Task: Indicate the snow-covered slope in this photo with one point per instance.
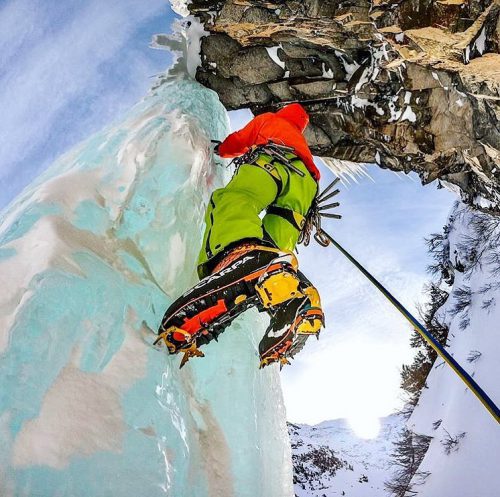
(331, 460)
(463, 458)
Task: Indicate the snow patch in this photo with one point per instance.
(273, 53)
(327, 73)
(483, 202)
(349, 67)
(180, 7)
(408, 115)
(395, 112)
(364, 78)
(480, 43)
(362, 103)
(467, 55)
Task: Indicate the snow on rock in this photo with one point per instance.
(480, 43)
(327, 73)
(408, 115)
(463, 455)
(91, 254)
(273, 53)
(180, 7)
(330, 460)
(350, 66)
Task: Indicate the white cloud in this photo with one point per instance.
(67, 56)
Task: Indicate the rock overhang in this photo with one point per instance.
(409, 85)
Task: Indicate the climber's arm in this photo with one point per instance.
(240, 142)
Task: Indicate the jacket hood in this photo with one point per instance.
(295, 114)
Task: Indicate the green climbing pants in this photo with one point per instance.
(234, 212)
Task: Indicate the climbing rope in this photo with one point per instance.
(424, 333)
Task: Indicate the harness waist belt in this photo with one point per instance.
(296, 219)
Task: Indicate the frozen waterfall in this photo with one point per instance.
(90, 256)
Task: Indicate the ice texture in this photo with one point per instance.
(91, 254)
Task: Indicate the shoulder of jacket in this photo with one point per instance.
(265, 116)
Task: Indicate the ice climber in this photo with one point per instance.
(247, 259)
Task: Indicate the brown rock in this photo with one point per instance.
(414, 84)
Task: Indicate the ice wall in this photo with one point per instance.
(90, 256)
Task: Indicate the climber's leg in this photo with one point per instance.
(233, 213)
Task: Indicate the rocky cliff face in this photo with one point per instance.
(412, 85)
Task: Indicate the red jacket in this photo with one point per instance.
(284, 127)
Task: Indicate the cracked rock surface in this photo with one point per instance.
(412, 85)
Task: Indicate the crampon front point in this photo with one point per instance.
(249, 278)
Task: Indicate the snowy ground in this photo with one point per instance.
(363, 464)
(463, 458)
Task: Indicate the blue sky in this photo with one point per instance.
(69, 68)
(66, 70)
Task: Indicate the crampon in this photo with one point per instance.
(251, 275)
(291, 325)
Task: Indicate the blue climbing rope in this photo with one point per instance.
(425, 334)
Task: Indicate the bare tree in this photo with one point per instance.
(409, 452)
(450, 443)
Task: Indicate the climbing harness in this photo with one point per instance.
(324, 239)
(318, 209)
(275, 151)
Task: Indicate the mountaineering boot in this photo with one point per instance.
(249, 275)
(292, 323)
